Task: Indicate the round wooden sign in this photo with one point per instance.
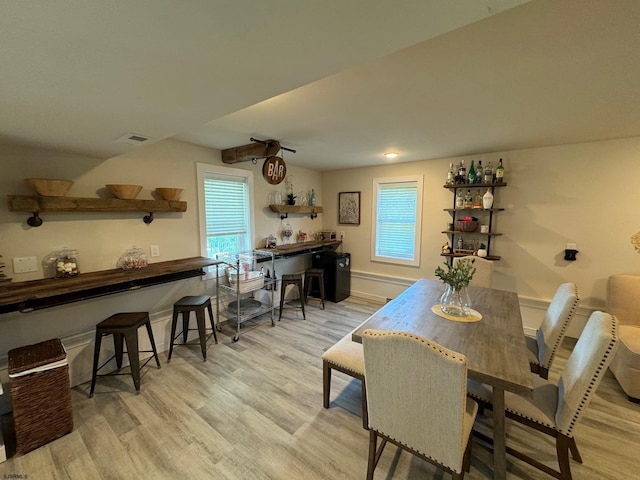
(274, 170)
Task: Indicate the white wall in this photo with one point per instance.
(584, 193)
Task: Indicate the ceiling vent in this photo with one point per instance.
(132, 139)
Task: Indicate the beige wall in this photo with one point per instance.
(584, 193)
(101, 238)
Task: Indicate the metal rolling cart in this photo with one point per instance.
(237, 291)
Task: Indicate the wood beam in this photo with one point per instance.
(248, 152)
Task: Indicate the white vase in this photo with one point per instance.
(487, 199)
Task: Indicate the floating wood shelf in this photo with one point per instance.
(285, 210)
(36, 205)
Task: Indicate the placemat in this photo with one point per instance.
(474, 317)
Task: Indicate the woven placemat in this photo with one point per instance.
(474, 317)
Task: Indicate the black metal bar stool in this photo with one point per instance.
(309, 275)
(185, 306)
(123, 327)
(291, 279)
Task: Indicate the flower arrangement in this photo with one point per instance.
(457, 275)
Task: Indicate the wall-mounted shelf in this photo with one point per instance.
(285, 210)
(36, 205)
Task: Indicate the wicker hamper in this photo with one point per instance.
(40, 394)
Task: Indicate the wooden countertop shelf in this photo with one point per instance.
(303, 248)
(36, 205)
(50, 292)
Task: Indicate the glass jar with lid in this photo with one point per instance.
(132, 258)
(66, 263)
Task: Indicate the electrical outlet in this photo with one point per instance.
(155, 250)
(25, 265)
(341, 235)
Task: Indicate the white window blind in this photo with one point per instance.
(397, 225)
(226, 206)
(225, 209)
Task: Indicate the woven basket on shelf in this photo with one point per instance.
(466, 225)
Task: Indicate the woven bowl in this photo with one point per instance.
(170, 193)
(48, 187)
(124, 192)
(466, 226)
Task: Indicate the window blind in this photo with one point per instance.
(396, 220)
(226, 208)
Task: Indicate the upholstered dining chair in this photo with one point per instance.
(416, 396)
(623, 301)
(542, 349)
(556, 409)
(484, 271)
(345, 356)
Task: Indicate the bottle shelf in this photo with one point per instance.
(488, 257)
(473, 209)
(458, 232)
(475, 185)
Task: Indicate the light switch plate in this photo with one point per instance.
(25, 265)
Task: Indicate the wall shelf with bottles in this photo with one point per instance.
(472, 207)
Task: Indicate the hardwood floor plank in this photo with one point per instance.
(254, 410)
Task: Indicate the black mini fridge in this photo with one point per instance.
(337, 274)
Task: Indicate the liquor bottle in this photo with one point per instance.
(499, 173)
(275, 280)
(459, 199)
(312, 198)
(477, 199)
(267, 281)
(472, 173)
(462, 173)
(479, 173)
(488, 173)
(468, 199)
(450, 175)
(460, 243)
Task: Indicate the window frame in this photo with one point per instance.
(204, 171)
(417, 240)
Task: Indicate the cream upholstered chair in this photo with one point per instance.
(484, 271)
(345, 356)
(556, 409)
(623, 301)
(416, 395)
(542, 349)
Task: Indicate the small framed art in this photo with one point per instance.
(349, 208)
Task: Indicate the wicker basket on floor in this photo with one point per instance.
(40, 394)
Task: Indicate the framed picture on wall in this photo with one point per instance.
(349, 208)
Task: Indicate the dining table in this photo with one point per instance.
(493, 344)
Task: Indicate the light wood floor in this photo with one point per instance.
(253, 410)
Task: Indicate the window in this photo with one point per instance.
(226, 217)
(397, 215)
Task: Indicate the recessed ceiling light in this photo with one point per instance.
(391, 154)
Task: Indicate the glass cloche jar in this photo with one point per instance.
(132, 258)
(66, 263)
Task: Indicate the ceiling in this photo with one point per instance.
(339, 82)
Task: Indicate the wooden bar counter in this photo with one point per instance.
(303, 248)
(50, 292)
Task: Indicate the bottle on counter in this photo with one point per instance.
(499, 172)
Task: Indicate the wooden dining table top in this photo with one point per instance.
(494, 346)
